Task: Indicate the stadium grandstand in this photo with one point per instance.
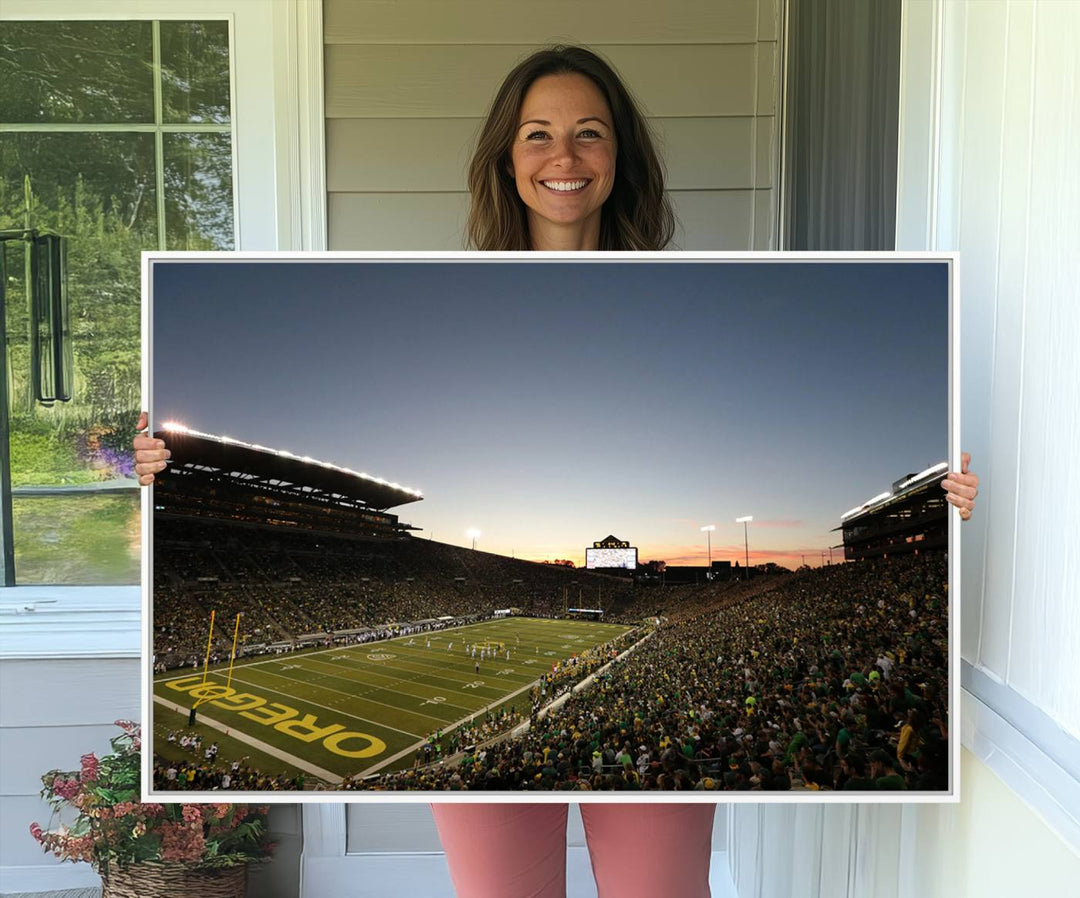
(226, 479)
(367, 658)
(911, 516)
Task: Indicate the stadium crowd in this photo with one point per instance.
(833, 679)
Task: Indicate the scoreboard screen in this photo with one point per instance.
(611, 558)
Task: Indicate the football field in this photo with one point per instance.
(362, 709)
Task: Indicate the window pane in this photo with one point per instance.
(80, 183)
(83, 539)
(195, 71)
(98, 191)
(198, 192)
(76, 72)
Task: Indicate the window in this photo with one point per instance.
(117, 136)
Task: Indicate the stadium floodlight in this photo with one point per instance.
(745, 521)
(473, 534)
(708, 530)
(914, 478)
(880, 497)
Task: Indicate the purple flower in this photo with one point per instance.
(118, 462)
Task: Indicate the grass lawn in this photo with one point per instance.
(362, 709)
(83, 539)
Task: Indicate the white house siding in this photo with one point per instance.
(408, 83)
(1008, 155)
(53, 711)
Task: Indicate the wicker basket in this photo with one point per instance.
(174, 881)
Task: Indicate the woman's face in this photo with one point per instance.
(563, 155)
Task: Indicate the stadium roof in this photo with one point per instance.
(902, 488)
(282, 468)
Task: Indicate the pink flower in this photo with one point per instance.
(181, 842)
(79, 848)
(65, 788)
(89, 768)
(36, 832)
(192, 813)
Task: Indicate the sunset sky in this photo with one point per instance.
(549, 404)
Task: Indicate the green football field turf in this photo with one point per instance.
(363, 709)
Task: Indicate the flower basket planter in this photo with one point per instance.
(149, 850)
(174, 881)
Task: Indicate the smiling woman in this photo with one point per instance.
(565, 161)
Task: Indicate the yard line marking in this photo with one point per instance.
(401, 685)
(359, 696)
(338, 711)
(394, 673)
(375, 768)
(395, 687)
(320, 772)
(608, 630)
(398, 708)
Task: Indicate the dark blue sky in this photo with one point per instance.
(549, 404)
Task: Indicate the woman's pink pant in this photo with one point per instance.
(519, 850)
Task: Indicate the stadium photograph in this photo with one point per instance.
(445, 524)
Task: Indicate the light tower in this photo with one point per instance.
(708, 530)
(745, 521)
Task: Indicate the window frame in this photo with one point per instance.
(277, 129)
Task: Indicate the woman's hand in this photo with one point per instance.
(150, 454)
(962, 488)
